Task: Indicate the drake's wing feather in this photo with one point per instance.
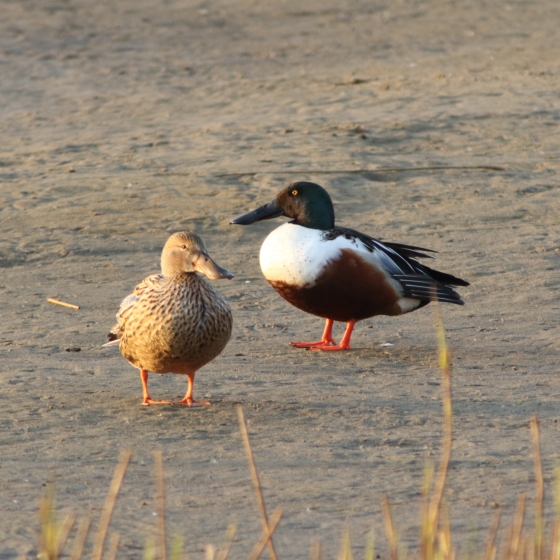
(424, 288)
(370, 242)
(442, 277)
(417, 280)
(410, 250)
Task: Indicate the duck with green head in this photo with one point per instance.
(338, 273)
(175, 322)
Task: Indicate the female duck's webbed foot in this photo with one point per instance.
(188, 399)
(344, 343)
(191, 402)
(147, 400)
(325, 341)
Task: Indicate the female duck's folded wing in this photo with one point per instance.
(114, 336)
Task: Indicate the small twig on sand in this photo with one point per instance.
(363, 171)
(160, 504)
(63, 303)
(109, 504)
(256, 481)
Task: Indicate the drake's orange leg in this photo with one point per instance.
(188, 400)
(325, 341)
(344, 343)
(147, 399)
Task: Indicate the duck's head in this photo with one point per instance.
(308, 204)
(185, 252)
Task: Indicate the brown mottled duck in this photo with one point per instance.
(175, 322)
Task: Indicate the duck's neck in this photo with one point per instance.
(319, 215)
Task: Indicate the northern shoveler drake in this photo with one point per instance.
(338, 273)
(175, 322)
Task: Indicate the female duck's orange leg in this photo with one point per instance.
(147, 399)
(325, 341)
(344, 343)
(188, 400)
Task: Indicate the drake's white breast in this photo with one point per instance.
(293, 254)
(297, 255)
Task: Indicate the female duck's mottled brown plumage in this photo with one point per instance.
(175, 322)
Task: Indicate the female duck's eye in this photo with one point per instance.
(183, 246)
(294, 192)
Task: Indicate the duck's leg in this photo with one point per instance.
(325, 341)
(147, 399)
(344, 343)
(188, 399)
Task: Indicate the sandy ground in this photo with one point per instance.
(124, 121)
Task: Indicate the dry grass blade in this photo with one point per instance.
(267, 534)
(316, 553)
(444, 536)
(490, 552)
(370, 547)
(539, 482)
(113, 546)
(390, 528)
(80, 539)
(224, 551)
(53, 535)
(346, 548)
(109, 505)
(441, 476)
(555, 552)
(256, 481)
(63, 532)
(515, 540)
(160, 505)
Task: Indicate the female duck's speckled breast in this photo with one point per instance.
(178, 324)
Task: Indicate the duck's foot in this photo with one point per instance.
(149, 401)
(317, 345)
(335, 348)
(344, 343)
(191, 402)
(325, 340)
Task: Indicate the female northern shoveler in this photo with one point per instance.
(175, 322)
(339, 273)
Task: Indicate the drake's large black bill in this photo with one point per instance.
(264, 212)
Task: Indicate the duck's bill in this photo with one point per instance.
(205, 265)
(264, 212)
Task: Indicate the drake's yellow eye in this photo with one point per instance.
(294, 192)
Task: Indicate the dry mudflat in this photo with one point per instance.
(431, 123)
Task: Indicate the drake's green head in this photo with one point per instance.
(308, 204)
